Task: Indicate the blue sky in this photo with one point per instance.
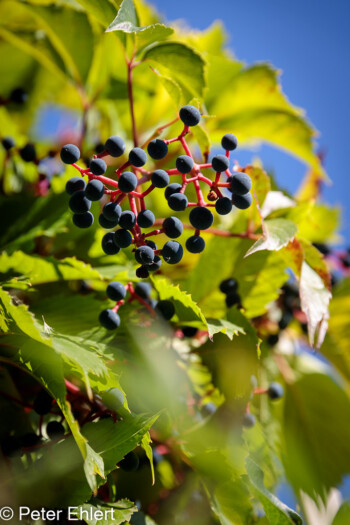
(309, 40)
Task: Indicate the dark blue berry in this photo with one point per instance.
(115, 146)
(178, 202)
(275, 391)
(42, 403)
(220, 163)
(190, 115)
(83, 220)
(201, 218)
(173, 227)
(122, 238)
(166, 309)
(143, 290)
(223, 206)
(142, 272)
(109, 319)
(70, 154)
(112, 211)
(75, 184)
(55, 430)
(97, 166)
(160, 179)
(172, 252)
(130, 463)
(137, 157)
(174, 187)
(8, 143)
(242, 201)
(249, 420)
(116, 291)
(94, 190)
(157, 149)
(127, 220)
(144, 255)
(28, 153)
(145, 219)
(184, 164)
(189, 331)
(108, 244)
(152, 244)
(229, 142)
(241, 183)
(157, 262)
(18, 96)
(229, 286)
(127, 182)
(232, 299)
(79, 203)
(195, 244)
(30, 439)
(105, 223)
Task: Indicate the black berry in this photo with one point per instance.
(173, 227)
(116, 291)
(42, 403)
(184, 164)
(28, 153)
(229, 286)
(275, 391)
(137, 157)
(83, 220)
(75, 184)
(157, 149)
(145, 219)
(127, 182)
(122, 238)
(223, 206)
(174, 187)
(127, 220)
(195, 244)
(108, 244)
(242, 201)
(112, 211)
(143, 290)
(160, 179)
(115, 146)
(144, 255)
(178, 202)
(98, 166)
(166, 309)
(172, 252)
(220, 163)
(55, 430)
(94, 190)
(241, 183)
(8, 143)
(229, 142)
(70, 154)
(105, 223)
(201, 218)
(109, 319)
(79, 203)
(190, 115)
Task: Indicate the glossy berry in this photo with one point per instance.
(143, 290)
(105, 223)
(127, 220)
(195, 244)
(116, 291)
(173, 227)
(75, 184)
(184, 164)
(172, 252)
(130, 463)
(83, 220)
(122, 238)
(249, 420)
(55, 430)
(144, 255)
(201, 218)
(174, 187)
(145, 219)
(178, 202)
(166, 309)
(137, 157)
(115, 146)
(157, 262)
(229, 142)
(232, 299)
(190, 115)
(152, 244)
(223, 206)
(70, 154)
(8, 143)
(157, 149)
(275, 391)
(42, 403)
(109, 319)
(242, 201)
(228, 286)
(108, 244)
(28, 153)
(97, 166)
(79, 203)
(160, 179)
(142, 272)
(94, 190)
(241, 183)
(30, 439)
(127, 182)
(112, 211)
(220, 163)
(18, 96)
(10, 446)
(189, 331)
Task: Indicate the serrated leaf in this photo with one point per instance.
(237, 317)
(182, 63)
(113, 513)
(276, 511)
(276, 234)
(216, 326)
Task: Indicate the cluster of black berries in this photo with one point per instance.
(229, 287)
(117, 292)
(12, 446)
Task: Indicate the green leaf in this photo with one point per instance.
(236, 316)
(276, 511)
(182, 64)
(276, 234)
(343, 515)
(113, 513)
(216, 326)
(103, 10)
(309, 426)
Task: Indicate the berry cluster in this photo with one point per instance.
(229, 287)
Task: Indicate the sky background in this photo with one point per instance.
(309, 41)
